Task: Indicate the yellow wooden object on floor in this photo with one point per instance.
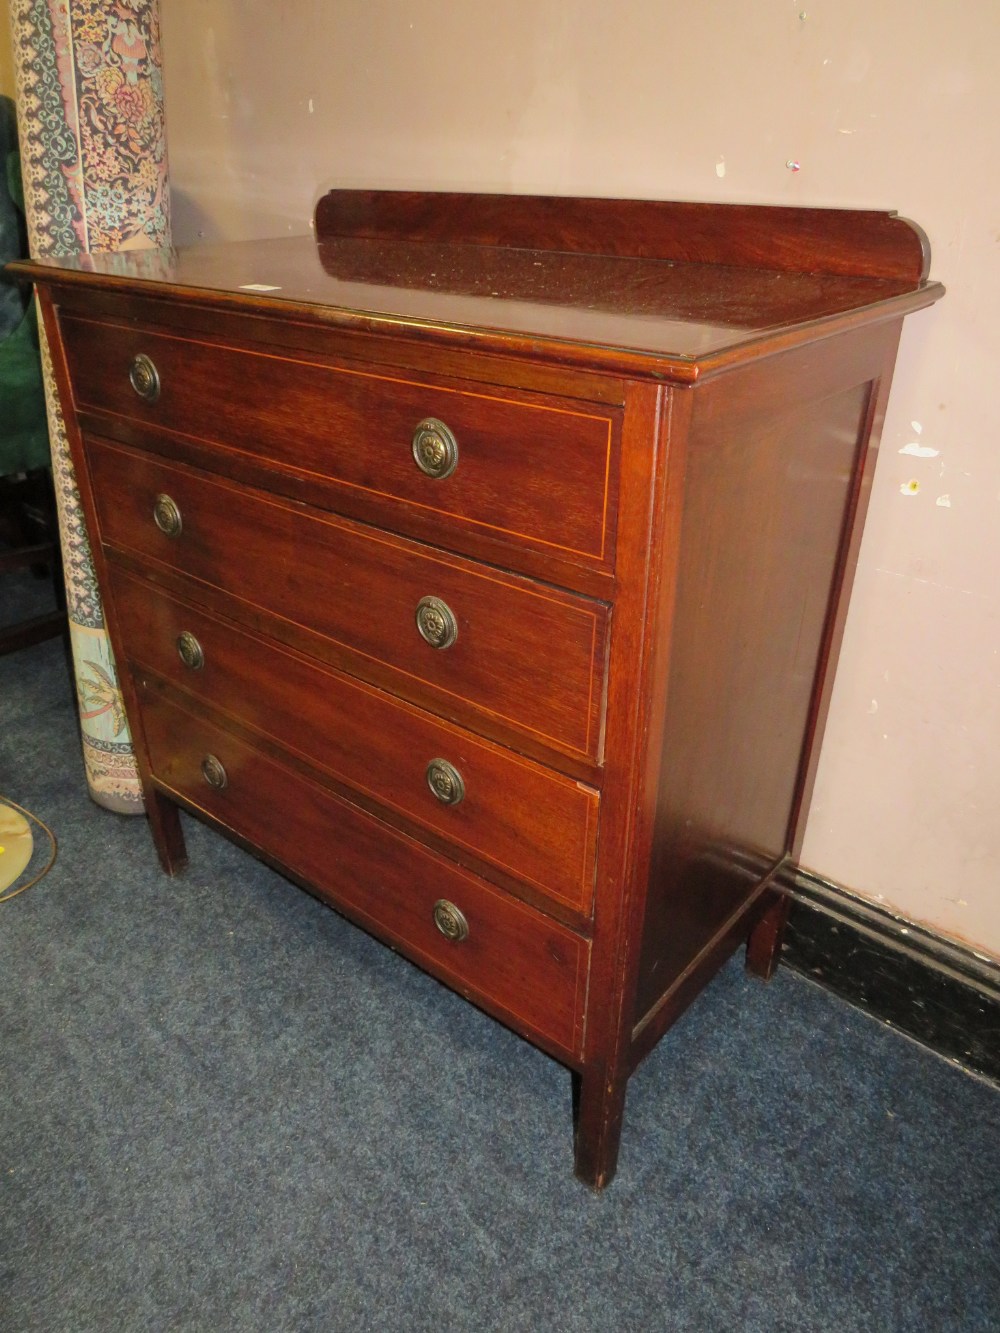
(16, 845)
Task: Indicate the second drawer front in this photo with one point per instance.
(526, 655)
(528, 821)
(518, 962)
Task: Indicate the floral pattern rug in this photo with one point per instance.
(94, 161)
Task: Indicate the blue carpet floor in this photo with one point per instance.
(224, 1108)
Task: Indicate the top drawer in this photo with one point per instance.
(518, 468)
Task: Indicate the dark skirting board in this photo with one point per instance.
(941, 993)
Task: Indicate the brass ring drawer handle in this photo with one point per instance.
(144, 378)
(436, 622)
(167, 516)
(190, 651)
(435, 449)
(445, 782)
(214, 773)
(450, 921)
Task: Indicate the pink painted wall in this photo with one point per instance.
(885, 105)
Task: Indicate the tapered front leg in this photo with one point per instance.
(764, 940)
(168, 837)
(598, 1110)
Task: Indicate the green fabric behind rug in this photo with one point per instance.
(24, 432)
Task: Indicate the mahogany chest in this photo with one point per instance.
(481, 563)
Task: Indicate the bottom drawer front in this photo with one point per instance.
(521, 965)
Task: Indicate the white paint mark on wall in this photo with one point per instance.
(943, 502)
(916, 450)
(845, 131)
(916, 427)
(312, 107)
(873, 706)
(720, 167)
(909, 487)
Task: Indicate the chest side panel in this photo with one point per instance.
(775, 459)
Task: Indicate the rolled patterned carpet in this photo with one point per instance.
(94, 161)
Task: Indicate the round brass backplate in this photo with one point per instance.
(167, 516)
(190, 651)
(436, 622)
(144, 378)
(435, 449)
(214, 773)
(445, 781)
(450, 921)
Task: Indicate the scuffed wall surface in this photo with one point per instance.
(866, 103)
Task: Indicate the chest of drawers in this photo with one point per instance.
(481, 563)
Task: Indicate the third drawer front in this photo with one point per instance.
(528, 821)
(525, 967)
(497, 651)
